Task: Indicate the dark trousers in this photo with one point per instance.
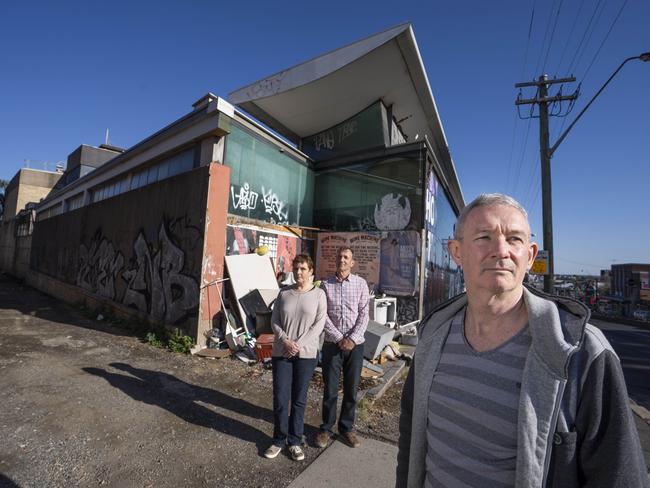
(334, 361)
(291, 378)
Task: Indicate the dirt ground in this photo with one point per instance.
(88, 404)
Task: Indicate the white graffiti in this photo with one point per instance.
(274, 206)
(155, 284)
(330, 138)
(392, 213)
(246, 199)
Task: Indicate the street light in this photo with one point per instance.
(645, 57)
(547, 151)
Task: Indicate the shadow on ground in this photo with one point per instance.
(34, 303)
(181, 398)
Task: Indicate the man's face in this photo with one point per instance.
(344, 262)
(494, 249)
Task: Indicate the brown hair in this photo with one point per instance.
(303, 258)
(342, 249)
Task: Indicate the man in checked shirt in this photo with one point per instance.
(345, 326)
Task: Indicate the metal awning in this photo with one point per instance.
(318, 94)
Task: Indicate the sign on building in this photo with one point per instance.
(540, 265)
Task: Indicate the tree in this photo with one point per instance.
(3, 186)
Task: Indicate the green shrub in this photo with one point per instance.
(178, 342)
(153, 340)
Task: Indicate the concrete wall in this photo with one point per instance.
(7, 245)
(28, 185)
(140, 251)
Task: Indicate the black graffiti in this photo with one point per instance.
(155, 283)
(99, 266)
(407, 310)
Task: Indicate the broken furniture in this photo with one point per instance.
(257, 306)
(383, 310)
(249, 272)
(377, 337)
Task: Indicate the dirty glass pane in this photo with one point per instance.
(384, 194)
(442, 277)
(362, 131)
(266, 183)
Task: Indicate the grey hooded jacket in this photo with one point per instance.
(575, 427)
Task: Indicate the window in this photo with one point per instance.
(266, 183)
(384, 194)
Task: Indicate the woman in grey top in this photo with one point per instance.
(298, 319)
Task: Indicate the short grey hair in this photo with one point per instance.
(486, 200)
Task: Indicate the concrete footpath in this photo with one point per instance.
(373, 463)
(370, 465)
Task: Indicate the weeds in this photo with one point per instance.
(153, 340)
(178, 342)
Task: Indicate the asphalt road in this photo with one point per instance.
(632, 344)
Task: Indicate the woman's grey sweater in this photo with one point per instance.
(301, 318)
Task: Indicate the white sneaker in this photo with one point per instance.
(296, 453)
(272, 451)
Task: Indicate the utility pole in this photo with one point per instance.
(543, 101)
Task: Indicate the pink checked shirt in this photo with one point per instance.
(347, 308)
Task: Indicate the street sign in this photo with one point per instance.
(540, 265)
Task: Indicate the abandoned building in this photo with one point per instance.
(345, 149)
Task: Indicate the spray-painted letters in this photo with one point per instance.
(154, 281)
(155, 284)
(98, 267)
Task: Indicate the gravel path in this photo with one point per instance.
(87, 404)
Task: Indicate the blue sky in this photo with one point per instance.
(69, 70)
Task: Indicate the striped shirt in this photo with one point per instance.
(347, 308)
(473, 405)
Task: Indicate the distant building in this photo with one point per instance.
(630, 284)
(28, 185)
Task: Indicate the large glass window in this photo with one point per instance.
(365, 130)
(266, 183)
(443, 278)
(383, 194)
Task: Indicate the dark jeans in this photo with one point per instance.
(291, 378)
(333, 361)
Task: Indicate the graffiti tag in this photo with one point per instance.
(155, 284)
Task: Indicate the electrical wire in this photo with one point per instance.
(568, 40)
(620, 11)
(586, 35)
(548, 25)
(550, 42)
(516, 115)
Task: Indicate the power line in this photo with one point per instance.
(550, 42)
(523, 70)
(584, 35)
(620, 11)
(571, 31)
(548, 25)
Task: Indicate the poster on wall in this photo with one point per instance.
(398, 274)
(282, 247)
(366, 254)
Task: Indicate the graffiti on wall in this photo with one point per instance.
(407, 309)
(272, 209)
(153, 281)
(393, 212)
(245, 199)
(274, 206)
(99, 265)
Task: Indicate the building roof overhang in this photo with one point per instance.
(315, 95)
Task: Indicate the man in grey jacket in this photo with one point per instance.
(511, 387)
